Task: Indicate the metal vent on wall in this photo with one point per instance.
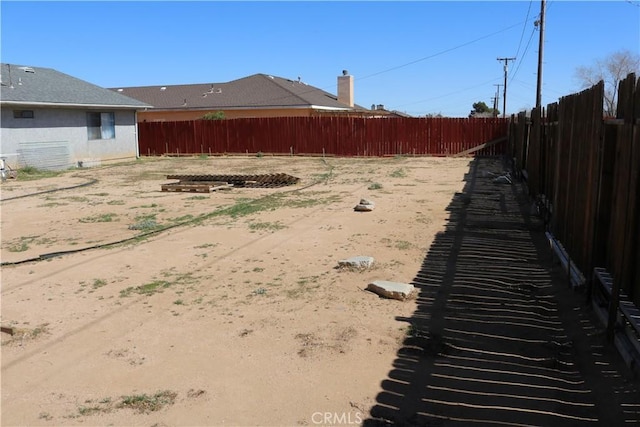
(52, 155)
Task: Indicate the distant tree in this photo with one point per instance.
(480, 107)
(436, 115)
(218, 115)
(611, 70)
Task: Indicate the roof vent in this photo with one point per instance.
(120, 90)
(163, 88)
(271, 77)
(28, 69)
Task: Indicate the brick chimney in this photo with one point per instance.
(345, 88)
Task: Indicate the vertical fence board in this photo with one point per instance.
(619, 206)
(561, 154)
(533, 155)
(629, 277)
(605, 196)
(551, 135)
(594, 138)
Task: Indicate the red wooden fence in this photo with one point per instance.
(337, 136)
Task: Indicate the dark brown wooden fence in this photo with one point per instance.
(332, 136)
(585, 172)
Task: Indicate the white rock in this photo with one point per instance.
(365, 206)
(394, 290)
(357, 262)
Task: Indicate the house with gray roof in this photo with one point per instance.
(258, 95)
(54, 121)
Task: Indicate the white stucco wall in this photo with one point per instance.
(57, 127)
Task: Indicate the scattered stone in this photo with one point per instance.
(365, 206)
(359, 262)
(503, 179)
(393, 290)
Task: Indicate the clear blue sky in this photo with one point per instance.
(420, 57)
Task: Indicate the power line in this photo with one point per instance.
(524, 54)
(538, 24)
(524, 27)
(528, 85)
(550, 5)
(441, 52)
(411, 63)
(446, 95)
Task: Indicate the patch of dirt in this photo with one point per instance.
(234, 296)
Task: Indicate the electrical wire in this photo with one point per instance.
(524, 27)
(548, 7)
(442, 52)
(451, 93)
(524, 55)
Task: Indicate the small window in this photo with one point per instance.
(101, 125)
(23, 114)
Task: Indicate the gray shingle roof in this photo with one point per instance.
(36, 85)
(255, 91)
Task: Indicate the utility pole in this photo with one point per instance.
(540, 49)
(497, 98)
(504, 96)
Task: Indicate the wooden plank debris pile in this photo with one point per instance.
(209, 183)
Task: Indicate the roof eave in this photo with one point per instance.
(72, 105)
(323, 107)
(253, 107)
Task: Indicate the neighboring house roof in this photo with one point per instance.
(255, 91)
(400, 114)
(25, 85)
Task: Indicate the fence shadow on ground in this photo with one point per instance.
(497, 337)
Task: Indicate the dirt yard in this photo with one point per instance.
(237, 315)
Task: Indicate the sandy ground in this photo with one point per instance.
(226, 319)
